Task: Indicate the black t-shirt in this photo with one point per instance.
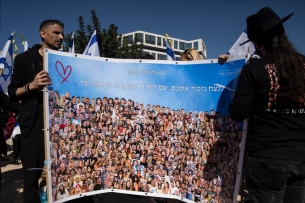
(98, 187)
(132, 177)
(274, 131)
(197, 196)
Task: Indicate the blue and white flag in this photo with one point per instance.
(6, 64)
(16, 130)
(169, 51)
(92, 47)
(237, 50)
(71, 44)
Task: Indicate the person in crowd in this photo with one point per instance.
(190, 55)
(271, 93)
(6, 104)
(27, 81)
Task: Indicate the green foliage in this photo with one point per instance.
(131, 50)
(110, 42)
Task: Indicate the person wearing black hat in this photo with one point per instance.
(271, 92)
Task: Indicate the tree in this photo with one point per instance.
(130, 49)
(110, 42)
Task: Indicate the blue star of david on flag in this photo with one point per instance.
(6, 64)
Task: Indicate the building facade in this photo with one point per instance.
(154, 44)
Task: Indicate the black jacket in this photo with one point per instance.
(24, 73)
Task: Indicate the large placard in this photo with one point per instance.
(140, 127)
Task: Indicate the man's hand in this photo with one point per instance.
(41, 80)
(223, 58)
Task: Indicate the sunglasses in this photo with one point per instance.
(188, 52)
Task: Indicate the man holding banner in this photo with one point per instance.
(27, 82)
(271, 91)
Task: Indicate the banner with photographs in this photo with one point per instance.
(141, 127)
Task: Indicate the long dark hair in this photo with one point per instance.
(290, 65)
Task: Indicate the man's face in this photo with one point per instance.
(53, 36)
(61, 143)
(55, 112)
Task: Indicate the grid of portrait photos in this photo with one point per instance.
(117, 143)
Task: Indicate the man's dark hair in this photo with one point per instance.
(147, 56)
(46, 23)
(50, 22)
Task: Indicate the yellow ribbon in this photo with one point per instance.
(169, 40)
(13, 40)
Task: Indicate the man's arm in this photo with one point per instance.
(17, 79)
(17, 89)
(41, 80)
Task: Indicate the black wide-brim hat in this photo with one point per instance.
(263, 21)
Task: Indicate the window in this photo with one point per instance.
(175, 44)
(189, 45)
(154, 55)
(129, 38)
(162, 57)
(196, 45)
(164, 42)
(184, 46)
(181, 46)
(149, 39)
(140, 37)
(159, 41)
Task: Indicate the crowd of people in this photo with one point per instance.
(112, 143)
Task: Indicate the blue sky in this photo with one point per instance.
(218, 22)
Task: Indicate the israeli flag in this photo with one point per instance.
(169, 51)
(92, 47)
(16, 130)
(237, 50)
(71, 44)
(6, 64)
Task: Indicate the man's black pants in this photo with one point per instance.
(32, 156)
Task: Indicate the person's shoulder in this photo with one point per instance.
(256, 65)
(23, 55)
(28, 53)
